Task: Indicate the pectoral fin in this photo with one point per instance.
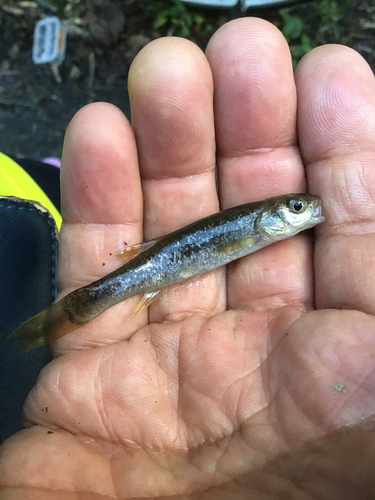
(231, 247)
(129, 252)
(147, 299)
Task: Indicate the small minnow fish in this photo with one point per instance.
(183, 255)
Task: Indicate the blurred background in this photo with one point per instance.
(103, 37)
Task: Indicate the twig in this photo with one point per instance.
(92, 64)
(16, 103)
(56, 73)
(47, 5)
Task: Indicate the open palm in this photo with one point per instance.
(253, 382)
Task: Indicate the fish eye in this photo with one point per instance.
(296, 206)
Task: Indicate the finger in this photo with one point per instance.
(170, 88)
(336, 88)
(101, 209)
(255, 115)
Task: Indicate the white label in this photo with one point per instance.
(49, 41)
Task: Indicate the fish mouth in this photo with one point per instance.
(317, 216)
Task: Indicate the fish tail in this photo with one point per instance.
(44, 327)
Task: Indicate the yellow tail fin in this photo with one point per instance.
(44, 327)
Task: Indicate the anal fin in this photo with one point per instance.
(147, 299)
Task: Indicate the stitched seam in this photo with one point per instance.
(32, 208)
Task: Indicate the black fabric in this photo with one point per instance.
(47, 176)
(28, 251)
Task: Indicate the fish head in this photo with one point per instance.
(287, 215)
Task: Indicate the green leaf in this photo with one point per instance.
(306, 44)
(160, 20)
(293, 28)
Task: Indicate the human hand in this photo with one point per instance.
(228, 386)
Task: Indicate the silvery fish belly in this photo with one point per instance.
(183, 255)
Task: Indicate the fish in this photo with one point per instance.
(181, 256)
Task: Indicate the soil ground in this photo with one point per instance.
(103, 39)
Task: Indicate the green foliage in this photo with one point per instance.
(293, 24)
(176, 16)
(304, 25)
(300, 49)
(313, 23)
(330, 10)
(294, 30)
(334, 17)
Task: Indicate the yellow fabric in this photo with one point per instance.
(14, 181)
